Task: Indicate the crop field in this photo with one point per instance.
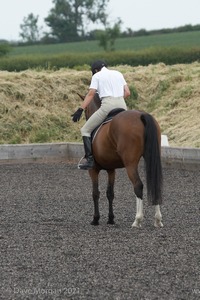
(168, 48)
(186, 39)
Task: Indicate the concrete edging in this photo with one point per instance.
(186, 158)
(41, 152)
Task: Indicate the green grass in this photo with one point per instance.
(186, 39)
(182, 39)
(76, 47)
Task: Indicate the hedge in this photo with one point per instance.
(169, 56)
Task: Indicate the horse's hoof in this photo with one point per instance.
(94, 223)
(136, 225)
(158, 224)
(111, 222)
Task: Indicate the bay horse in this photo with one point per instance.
(120, 143)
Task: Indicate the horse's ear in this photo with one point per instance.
(81, 96)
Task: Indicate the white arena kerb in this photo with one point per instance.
(164, 140)
(186, 158)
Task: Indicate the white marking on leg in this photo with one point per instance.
(158, 217)
(139, 213)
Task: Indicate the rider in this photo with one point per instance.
(112, 89)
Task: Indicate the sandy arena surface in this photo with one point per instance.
(49, 250)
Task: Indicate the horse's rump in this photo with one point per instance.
(119, 140)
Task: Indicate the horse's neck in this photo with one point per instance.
(96, 101)
(94, 106)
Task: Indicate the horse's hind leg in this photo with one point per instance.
(110, 195)
(138, 189)
(158, 217)
(139, 213)
(94, 174)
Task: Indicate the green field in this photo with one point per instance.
(170, 48)
(182, 39)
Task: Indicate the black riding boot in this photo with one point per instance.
(88, 154)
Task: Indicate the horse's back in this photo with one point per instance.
(126, 122)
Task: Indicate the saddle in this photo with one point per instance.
(109, 118)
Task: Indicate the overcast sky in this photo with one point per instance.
(135, 14)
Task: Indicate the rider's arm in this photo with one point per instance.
(88, 98)
(126, 91)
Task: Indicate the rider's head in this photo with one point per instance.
(97, 66)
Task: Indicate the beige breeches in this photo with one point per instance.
(107, 104)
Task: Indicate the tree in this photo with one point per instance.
(68, 18)
(60, 20)
(108, 37)
(30, 31)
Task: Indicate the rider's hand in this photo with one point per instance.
(77, 115)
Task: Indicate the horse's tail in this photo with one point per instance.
(152, 157)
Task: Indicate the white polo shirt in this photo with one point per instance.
(108, 83)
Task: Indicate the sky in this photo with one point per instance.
(135, 14)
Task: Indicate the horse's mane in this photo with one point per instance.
(97, 101)
(93, 106)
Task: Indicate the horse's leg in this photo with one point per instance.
(139, 213)
(138, 189)
(110, 195)
(158, 217)
(94, 174)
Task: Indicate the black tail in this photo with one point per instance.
(152, 159)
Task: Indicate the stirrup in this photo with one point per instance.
(80, 161)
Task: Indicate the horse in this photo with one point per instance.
(120, 143)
